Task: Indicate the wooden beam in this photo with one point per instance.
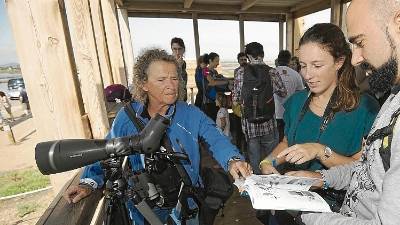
(84, 48)
(248, 4)
(200, 8)
(241, 34)
(101, 42)
(127, 49)
(196, 35)
(246, 17)
(70, 214)
(336, 12)
(280, 36)
(297, 34)
(309, 7)
(343, 25)
(47, 67)
(114, 41)
(187, 4)
(290, 32)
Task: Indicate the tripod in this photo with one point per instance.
(117, 193)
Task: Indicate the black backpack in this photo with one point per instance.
(257, 94)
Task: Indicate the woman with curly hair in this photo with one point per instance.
(158, 90)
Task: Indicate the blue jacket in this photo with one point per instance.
(188, 125)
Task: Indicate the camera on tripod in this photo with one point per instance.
(63, 155)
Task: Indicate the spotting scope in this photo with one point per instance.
(68, 154)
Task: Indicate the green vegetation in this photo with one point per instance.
(20, 181)
(10, 70)
(26, 208)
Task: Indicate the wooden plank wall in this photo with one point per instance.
(87, 63)
(101, 42)
(47, 67)
(114, 41)
(126, 42)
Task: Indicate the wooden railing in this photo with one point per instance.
(81, 213)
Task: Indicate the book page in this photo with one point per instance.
(282, 193)
(278, 181)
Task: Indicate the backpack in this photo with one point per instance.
(386, 135)
(117, 91)
(257, 94)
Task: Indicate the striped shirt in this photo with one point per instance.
(258, 129)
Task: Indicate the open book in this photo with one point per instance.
(280, 192)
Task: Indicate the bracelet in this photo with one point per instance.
(267, 161)
(325, 184)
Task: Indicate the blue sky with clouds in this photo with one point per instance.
(220, 36)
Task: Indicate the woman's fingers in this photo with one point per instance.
(296, 157)
(287, 151)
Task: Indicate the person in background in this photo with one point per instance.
(292, 81)
(324, 126)
(211, 80)
(23, 98)
(261, 137)
(157, 88)
(223, 115)
(295, 64)
(6, 104)
(178, 51)
(198, 76)
(238, 137)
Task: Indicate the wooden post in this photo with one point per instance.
(343, 19)
(290, 32)
(297, 33)
(10, 134)
(336, 12)
(280, 36)
(44, 52)
(126, 42)
(241, 32)
(114, 41)
(101, 44)
(196, 35)
(46, 65)
(84, 46)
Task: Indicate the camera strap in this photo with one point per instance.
(327, 117)
(188, 190)
(132, 116)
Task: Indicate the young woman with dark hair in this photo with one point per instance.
(324, 125)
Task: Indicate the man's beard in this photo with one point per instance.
(381, 79)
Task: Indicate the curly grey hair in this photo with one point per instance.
(140, 72)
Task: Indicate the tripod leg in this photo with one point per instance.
(115, 212)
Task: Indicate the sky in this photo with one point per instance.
(220, 36)
(8, 52)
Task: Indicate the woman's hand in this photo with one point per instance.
(268, 169)
(75, 193)
(237, 167)
(311, 174)
(302, 153)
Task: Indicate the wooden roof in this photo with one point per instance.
(259, 10)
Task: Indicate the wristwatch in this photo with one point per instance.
(234, 158)
(327, 153)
